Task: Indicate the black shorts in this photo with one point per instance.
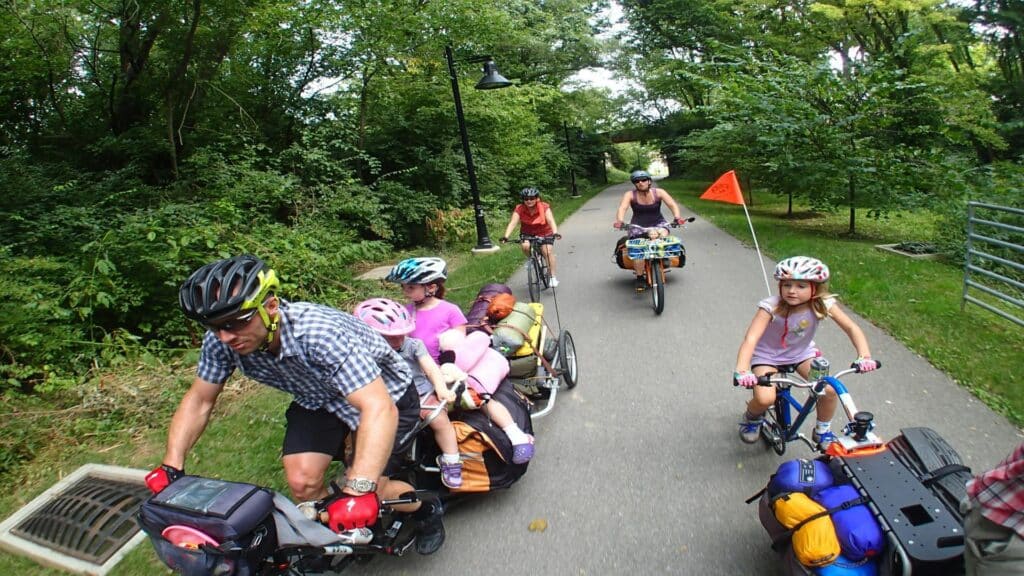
(323, 432)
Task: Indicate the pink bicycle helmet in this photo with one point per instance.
(802, 268)
(385, 316)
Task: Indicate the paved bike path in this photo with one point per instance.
(639, 469)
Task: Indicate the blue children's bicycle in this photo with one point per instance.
(783, 421)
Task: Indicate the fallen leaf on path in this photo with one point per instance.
(538, 525)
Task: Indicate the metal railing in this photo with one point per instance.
(974, 256)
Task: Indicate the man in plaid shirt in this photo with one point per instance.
(995, 524)
(343, 377)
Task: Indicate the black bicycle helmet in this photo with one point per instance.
(529, 193)
(638, 175)
(226, 287)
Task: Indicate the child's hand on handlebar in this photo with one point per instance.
(865, 364)
(744, 378)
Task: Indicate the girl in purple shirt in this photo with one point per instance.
(782, 334)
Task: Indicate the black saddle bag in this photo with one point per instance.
(237, 516)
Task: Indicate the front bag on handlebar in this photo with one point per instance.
(235, 517)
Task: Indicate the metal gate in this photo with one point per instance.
(980, 262)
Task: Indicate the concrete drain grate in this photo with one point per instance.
(84, 524)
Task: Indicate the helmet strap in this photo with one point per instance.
(271, 324)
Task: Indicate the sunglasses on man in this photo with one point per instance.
(234, 324)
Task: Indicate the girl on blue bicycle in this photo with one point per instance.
(781, 335)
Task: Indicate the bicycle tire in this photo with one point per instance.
(532, 279)
(567, 362)
(657, 281)
(778, 439)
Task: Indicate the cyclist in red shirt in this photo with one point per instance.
(534, 218)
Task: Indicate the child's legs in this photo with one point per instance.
(826, 407)
(498, 414)
(764, 396)
(549, 253)
(444, 432)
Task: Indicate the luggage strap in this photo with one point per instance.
(779, 541)
(538, 353)
(929, 478)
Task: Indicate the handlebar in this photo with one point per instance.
(672, 224)
(775, 378)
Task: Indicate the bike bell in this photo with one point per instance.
(819, 367)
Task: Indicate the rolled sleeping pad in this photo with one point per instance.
(488, 372)
(510, 333)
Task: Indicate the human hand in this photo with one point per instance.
(161, 477)
(865, 364)
(744, 378)
(503, 239)
(347, 511)
(680, 220)
(445, 394)
(557, 236)
(618, 224)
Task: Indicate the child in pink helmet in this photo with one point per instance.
(394, 322)
(782, 334)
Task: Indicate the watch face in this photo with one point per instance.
(362, 484)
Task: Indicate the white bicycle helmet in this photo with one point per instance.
(385, 316)
(418, 271)
(802, 268)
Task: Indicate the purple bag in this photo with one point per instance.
(478, 310)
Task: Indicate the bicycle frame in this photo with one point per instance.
(538, 274)
(788, 415)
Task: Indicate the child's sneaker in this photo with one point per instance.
(824, 439)
(750, 429)
(451, 473)
(522, 453)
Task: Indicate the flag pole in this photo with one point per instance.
(760, 259)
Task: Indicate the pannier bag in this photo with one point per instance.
(485, 449)
(814, 537)
(477, 315)
(800, 475)
(860, 536)
(237, 516)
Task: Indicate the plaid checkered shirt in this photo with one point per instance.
(325, 355)
(999, 493)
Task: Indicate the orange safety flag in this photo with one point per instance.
(725, 189)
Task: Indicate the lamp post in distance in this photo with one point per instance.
(492, 80)
(572, 166)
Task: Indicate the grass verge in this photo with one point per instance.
(915, 301)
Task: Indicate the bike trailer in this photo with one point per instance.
(896, 510)
(200, 526)
(485, 449)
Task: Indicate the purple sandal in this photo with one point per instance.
(522, 453)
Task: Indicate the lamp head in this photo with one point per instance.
(492, 78)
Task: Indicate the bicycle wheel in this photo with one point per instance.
(545, 273)
(773, 431)
(657, 280)
(533, 279)
(567, 360)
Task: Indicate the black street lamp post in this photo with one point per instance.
(491, 80)
(572, 167)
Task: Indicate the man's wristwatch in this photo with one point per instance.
(361, 485)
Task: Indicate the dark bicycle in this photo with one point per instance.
(538, 275)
